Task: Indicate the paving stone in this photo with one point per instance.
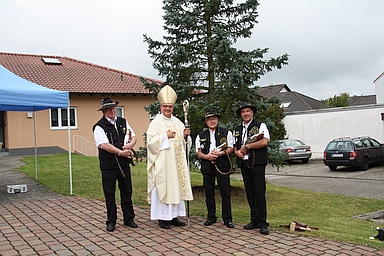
(44, 223)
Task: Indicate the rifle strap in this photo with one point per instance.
(230, 167)
(118, 163)
(136, 158)
(251, 159)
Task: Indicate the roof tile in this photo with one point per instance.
(73, 75)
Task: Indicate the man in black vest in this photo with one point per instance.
(114, 157)
(216, 163)
(252, 158)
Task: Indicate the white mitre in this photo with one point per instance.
(167, 95)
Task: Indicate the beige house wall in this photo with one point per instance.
(19, 127)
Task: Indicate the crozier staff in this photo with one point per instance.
(187, 147)
(168, 173)
(114, 158)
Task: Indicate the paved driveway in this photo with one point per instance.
(317, 177)
(41, 222)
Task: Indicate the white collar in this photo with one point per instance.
(110, 120)
(167, 118)
(246, 125)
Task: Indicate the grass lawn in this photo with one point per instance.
(332, 214)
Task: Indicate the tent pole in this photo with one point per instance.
(69, 148)
(34, 129)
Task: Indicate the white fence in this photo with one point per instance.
(83, 146)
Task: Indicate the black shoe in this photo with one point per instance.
(264, 231)
(164, 224)
(229, 224)
(209, 222)
(176, 222)
(110, 227)
(251, 225)
(130, 223)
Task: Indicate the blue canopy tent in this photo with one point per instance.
(18, 94)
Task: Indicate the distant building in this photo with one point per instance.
(379, 88)
(291, 101)
(316, 127)
(87, 84)
(362, 100)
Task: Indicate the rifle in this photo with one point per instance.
(254, 138)
(219, 148)
(127, 139)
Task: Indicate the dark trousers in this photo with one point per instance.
(224, 186)
(109, 178)
(255, 187)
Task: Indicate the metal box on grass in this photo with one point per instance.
(12, 189)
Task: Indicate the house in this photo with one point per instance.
(308, 120)
(87, 84)
(295, 101)
(379, 88)
(290, 101)
(362, 100)
(364, 117)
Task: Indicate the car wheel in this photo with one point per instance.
(305, 160)
(365, 164)
(332, 168)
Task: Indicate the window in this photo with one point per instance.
(358, 143)
(59, 119)
(375, 143)
(120, 111)
(348, 145)
(286, 104)
(52, 61)
(367, 143)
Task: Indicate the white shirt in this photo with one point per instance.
(212, 139)
(262, 129)
(100, 136)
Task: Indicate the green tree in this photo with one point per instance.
(198, 58)
(338, 101)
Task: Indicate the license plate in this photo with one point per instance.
(300, 150)
(337, 155)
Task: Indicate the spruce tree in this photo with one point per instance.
(197, 57)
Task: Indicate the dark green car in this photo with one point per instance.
(360, 152)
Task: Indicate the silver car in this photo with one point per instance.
(296, 150)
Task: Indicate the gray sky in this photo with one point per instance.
(335, 46)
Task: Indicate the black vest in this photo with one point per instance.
(259, 154)
(222, 162)
(108, 160)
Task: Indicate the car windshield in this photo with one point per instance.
(340, 145)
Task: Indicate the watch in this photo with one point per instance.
(246, 147)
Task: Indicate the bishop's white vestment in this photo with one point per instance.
(168, 173)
